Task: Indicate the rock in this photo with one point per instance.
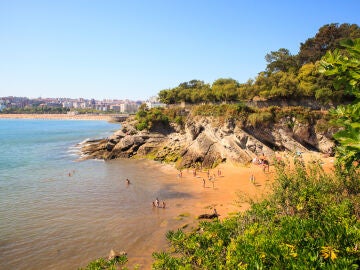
(114, 254)
(208, 216)
(325, 145)
(208, 141)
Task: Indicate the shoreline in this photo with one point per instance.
(57, 116)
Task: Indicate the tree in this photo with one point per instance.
(225, 89)
(168, 96)
(327, 38)
(345, 67)
(284, 85)
(281, 60)
(307, 79)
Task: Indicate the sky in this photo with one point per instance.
(132, 49)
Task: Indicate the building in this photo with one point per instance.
(129, 107)
(68, 104)
(115, 108)
(151, 105)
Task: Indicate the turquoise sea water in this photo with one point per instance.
(52, 220)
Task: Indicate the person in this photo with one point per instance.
(163, 204)
(203, 182)
(252, 178)
(153, 204)
(266, 165)
(157, 202)
(127, 181)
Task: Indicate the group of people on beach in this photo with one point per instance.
(263, 161)
(156, 203)
(210, 177)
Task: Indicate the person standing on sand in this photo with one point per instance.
(252, 178)
(266, 165)
(203, 182)
(163, 204)
(157, 202)
(127, 181)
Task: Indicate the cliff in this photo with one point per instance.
(208, 141)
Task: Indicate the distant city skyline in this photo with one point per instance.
(115, 105)
(134, 49)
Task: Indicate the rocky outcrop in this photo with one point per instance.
(207, 142)
(116, 254)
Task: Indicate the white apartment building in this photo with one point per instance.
(67, 104)
(128, 107)
(155, 104)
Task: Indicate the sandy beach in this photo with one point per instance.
(230, 186)
(57, 116)
(228, 192)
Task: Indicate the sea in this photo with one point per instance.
(57, 212)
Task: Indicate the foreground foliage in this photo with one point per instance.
(345, 67)
(104, 264)
(311, 221)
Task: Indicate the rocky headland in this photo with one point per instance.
(207, 141)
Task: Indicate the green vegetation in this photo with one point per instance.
(148, 118)
(259, 118)
(345, 67)
(104, 264)
(242, 114)
(286, 76)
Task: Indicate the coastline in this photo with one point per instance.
(57, 116)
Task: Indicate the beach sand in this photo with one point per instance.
(57, 116)
(229, 193)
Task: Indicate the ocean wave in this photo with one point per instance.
(84, 141)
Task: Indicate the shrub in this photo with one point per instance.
(104, 264)
(260, 118)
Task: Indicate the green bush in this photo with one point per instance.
(104, 264)
(142, 125)
(260, 118)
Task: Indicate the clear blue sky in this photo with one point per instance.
(133, 49)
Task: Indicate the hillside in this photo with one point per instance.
(203, 138)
